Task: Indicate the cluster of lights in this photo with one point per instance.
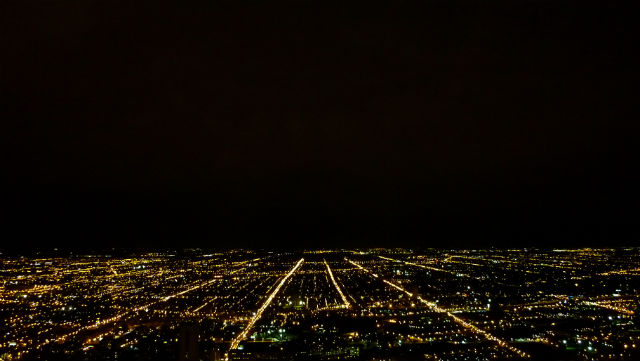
(75, 306)
(610, 307)
(422, 266)
(105, 321)
(458, 320)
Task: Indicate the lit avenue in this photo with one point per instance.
(366, 304)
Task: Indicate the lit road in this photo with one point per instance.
(333, 280)
(243, 335)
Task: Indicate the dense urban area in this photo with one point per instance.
(373, 304)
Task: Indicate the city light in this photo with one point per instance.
(342, 304)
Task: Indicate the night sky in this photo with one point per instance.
(291, 124)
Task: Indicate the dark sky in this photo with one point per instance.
(318, 123)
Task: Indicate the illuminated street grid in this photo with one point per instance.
(375, 304)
